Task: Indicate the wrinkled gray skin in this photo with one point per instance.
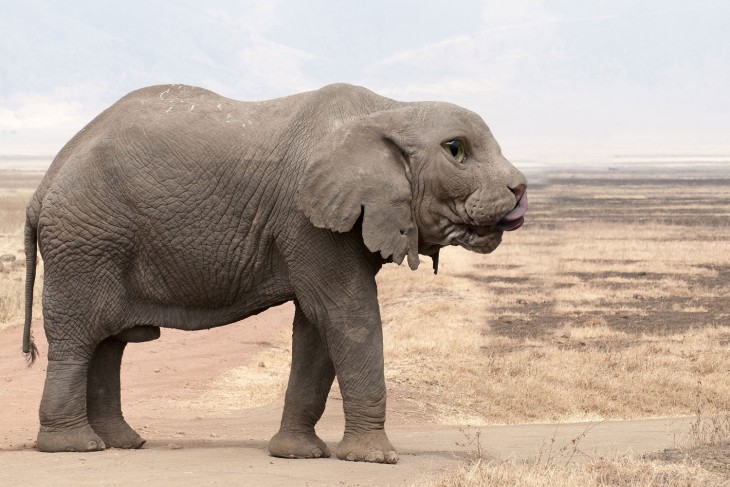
(180, 208)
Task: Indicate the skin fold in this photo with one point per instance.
(179, 208)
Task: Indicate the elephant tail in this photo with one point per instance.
(31, 238)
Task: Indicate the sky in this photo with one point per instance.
(552, 78)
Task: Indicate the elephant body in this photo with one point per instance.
(179, 208)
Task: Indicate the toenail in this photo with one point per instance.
(375, 456)
(391, 457)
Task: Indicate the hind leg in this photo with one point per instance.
(103, 390)
(64, 425)
(103, 397)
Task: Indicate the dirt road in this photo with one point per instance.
(209, 447)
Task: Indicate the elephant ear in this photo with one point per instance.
(361, 169)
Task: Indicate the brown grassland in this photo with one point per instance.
(16, 188)
(612, 302)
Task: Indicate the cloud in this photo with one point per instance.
(252, 17)
(268, 67)
(37, 123)
(91, 57)
(499, 59)
(37, 111)
(442, 90)
(544, 74)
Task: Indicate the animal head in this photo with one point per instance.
(422, 176)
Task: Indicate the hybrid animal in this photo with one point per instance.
(180, 208)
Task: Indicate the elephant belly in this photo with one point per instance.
(200, 317)
(176, 295)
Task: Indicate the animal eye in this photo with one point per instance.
(456, 149)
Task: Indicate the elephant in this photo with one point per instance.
(179, 208)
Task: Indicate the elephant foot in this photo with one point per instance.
(298, 445)
(82, 439)
(373, 446)
(118, 434)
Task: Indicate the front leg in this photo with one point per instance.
(337, 292)
(355, 343)
(333, 277)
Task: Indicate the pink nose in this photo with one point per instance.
(519, 191)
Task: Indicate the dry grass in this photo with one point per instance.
(440, 351)
(463, 374)
(260, 383)
(611, 303)
(620, 471)
(16, 189)
(580, 320)
(569, 466)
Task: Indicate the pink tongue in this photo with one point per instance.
(515, 218)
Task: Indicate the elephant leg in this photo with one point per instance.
(357, 353)
(103, 396)
(64, 424)
(310, 380)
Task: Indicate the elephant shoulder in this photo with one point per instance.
(345, 90)
(344, 98)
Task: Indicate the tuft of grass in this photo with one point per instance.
(569, 466)
(599, 472)
(712, 419)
